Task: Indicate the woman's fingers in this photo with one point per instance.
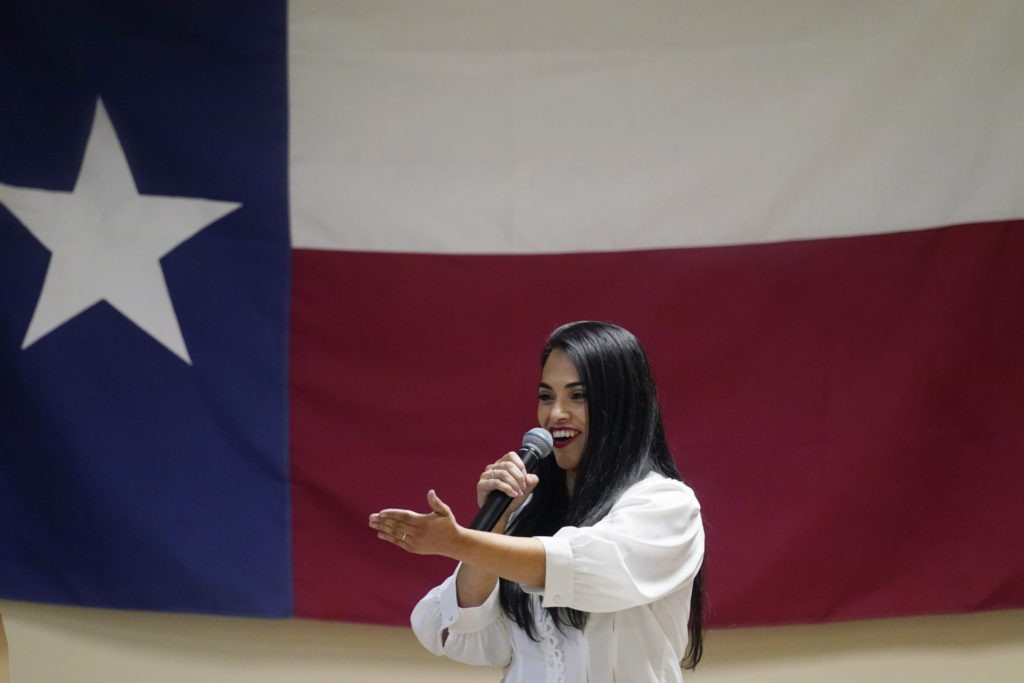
(504, 481)
(429, 533)
(397, 526)
(507, 475)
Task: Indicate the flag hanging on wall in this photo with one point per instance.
(263, 273)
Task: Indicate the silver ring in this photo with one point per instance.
(403, 535)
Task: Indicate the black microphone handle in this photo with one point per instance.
(498, 501)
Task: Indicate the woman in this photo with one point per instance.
(593, 573)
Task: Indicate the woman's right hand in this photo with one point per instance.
(508, 475)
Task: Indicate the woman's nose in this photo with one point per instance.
(558, 411)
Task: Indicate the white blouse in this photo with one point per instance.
(633, 571)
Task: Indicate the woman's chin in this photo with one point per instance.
(567, 461)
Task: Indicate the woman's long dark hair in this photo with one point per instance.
(625, 442)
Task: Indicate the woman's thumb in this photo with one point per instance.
(438, 505)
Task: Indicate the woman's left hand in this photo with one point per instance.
(434, 533)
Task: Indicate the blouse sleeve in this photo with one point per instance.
(650, 544)
(476, 635)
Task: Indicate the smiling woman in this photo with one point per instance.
(594, 571)
(562, 409)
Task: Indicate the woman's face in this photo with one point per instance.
(562, 409)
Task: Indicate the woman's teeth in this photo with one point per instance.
(563, 436)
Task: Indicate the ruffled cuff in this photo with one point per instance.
(466, 619)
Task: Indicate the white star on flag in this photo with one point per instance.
(106, 241)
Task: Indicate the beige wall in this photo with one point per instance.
(3, 652)
(60, 644)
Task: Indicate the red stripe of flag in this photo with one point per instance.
(849, 411)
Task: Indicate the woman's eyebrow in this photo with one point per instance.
(570, 385)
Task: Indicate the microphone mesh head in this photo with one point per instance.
(539, 438)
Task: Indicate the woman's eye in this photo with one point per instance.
(544, 398)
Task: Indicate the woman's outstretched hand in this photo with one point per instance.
(433, 533)
(437, 533)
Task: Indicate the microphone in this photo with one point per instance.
(537, 444)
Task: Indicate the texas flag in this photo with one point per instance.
(268, 268)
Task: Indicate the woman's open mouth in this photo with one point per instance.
(563, 436)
